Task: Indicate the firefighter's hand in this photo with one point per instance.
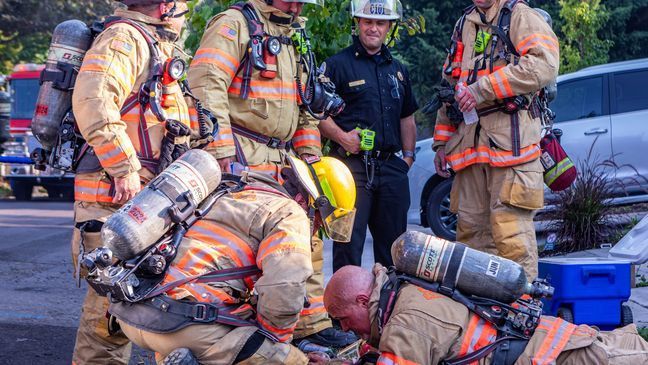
(466, 100)
(225, 164)
(440, 163)
(350, 141)
(126, 187)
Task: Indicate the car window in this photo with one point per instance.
(579, 99)
(630, 91)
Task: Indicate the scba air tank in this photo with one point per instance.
(477, 273)
(145, 218)
(70, 42)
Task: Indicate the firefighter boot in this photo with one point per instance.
(331, 337)
(180, 356)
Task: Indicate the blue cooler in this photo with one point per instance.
(588, 290)
(591, 290)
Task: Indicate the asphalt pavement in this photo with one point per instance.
(39, 300)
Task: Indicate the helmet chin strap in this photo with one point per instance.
(169, 13)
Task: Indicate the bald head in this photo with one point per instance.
(346, 297)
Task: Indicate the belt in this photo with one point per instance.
(271, 142)
(375, 154)
(203, 313)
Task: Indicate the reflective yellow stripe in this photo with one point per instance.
(558, 170)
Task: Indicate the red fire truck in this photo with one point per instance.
(23, 86)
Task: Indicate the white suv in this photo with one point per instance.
(606, 103)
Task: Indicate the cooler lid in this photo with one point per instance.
(561, 260)
(634, 245)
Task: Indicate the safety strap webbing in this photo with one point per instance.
(255, 29)
(218, 275)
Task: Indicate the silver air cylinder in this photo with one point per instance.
(149, 215)
(477, 273)
(70, 41)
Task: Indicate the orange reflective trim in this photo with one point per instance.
(472, 326)
(316, 306)
(217, 57)
(553, 344)
(501, 85)
(193, 118)
(306, 138)
(280, 241)
(283, 334)
(443, 132)
(479, 334)
(218, 237)
(388, 358)
(92, 191)
(483, 154)
(534, 40)
(271, 89)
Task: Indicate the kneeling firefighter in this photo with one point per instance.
(452, 308)
(235, 283)
(256, 72)
(109, 99)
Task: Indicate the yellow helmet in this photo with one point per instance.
(333, 193)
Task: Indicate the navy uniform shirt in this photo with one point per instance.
(377, 92)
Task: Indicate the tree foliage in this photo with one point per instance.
(581, 45)
(26, 26)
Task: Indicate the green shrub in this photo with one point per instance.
(583, 215)
(643, 331)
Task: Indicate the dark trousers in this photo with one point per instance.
(383, 208)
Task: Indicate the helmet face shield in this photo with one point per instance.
(333, 194)
(377, 9)
(339, 224)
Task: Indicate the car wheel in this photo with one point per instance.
(626, 315)
(566, 314)
(441, 220)
(60, 193)
(22, 191)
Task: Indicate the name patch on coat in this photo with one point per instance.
(357, 83)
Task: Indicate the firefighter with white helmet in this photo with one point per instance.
(244, 72)
(262, 225)
(124, 138)
(377, 123)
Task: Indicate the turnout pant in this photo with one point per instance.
(94, 344)
(314, 318)
(383, 207)
(496, 206)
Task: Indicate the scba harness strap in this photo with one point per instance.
(253, 59)
(502, 40)
(507, 347)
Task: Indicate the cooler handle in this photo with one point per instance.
(600, 271)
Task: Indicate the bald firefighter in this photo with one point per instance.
(425, 327)
(259, 114)
(503, 53)
(124, 135)
(251, 318)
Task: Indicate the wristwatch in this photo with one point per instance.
(409, 154)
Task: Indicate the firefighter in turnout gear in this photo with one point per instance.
(425, 327)
(259, 114)
(502, 53)
(249, 319)
(124, 139)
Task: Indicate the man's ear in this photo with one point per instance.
(362, 300)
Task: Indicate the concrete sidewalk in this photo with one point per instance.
(638, 299)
